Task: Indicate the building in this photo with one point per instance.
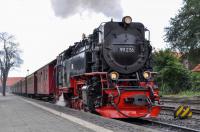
(182, 58)
(196, 68)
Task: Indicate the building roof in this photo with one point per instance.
(12, 80)
(196, 68)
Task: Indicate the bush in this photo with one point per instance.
(195, 81)
(173, 76)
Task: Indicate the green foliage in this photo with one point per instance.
(183, 34)
(188, 93)
(195, 81)
(173, 76)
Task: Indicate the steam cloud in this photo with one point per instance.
(65, 8)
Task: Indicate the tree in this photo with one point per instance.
(173, 76)
(183, 34)
(9, 57)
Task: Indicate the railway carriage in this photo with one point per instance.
(23, 86)
(31, 85)
(19, 87)
(14, 88)
(46, 81)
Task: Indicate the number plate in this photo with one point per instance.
(127, 50)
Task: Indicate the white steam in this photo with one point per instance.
(66, 8)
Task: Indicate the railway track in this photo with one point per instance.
(170, 108)
(171, 127)
(192, 102)
(160, 126)
(166, 121)
(185, 100)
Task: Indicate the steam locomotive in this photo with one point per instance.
(108, 72)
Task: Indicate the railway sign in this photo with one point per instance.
(183, 112)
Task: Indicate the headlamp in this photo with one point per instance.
(127, 19)
(114, 75)
(147, 74)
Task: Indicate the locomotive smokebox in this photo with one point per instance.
(124, 48)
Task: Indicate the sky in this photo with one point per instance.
(45, 28)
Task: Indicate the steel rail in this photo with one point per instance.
(160, 125)
(171, 108)
(181, 101)
(172, 126)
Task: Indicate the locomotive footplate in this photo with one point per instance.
(129, 112)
